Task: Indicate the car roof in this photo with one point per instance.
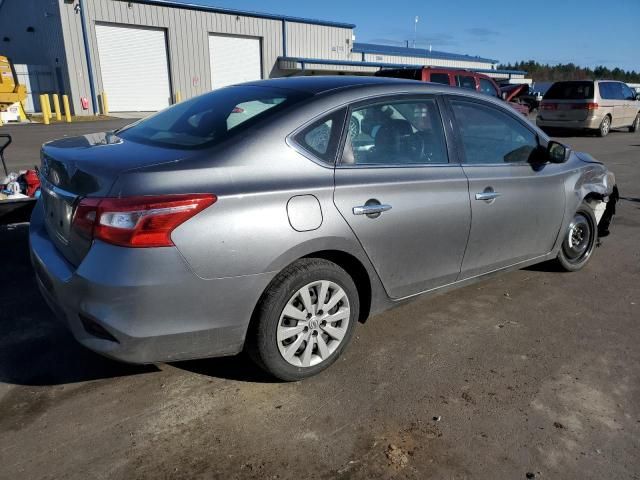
(321, 84)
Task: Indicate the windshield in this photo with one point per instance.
(211, 118)
(570, 91)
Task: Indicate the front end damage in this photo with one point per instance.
(599, 190)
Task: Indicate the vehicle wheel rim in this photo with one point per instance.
(313, 323)
(605, 125)
(636, 124)
(577, 244)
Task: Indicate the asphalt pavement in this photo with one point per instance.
(533, 374)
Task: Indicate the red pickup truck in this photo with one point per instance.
(455, 78)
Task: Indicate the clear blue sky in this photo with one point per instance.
(585, 32)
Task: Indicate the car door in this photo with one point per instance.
(405, 201)
(612, 93)
(631, 104)
(517, 205)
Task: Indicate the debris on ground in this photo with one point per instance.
(558, 425)
(396, 456)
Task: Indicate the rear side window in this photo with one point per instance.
(212, 118)
(491, 136)
(442, 78)
(611, 90)
(321, 138)
(466, 82)
(570, 91)
(487, 88)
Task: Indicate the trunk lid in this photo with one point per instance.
(568, 101)
(87, 166)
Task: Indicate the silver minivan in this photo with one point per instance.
(590, 105)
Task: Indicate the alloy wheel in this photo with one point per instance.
(313, 323)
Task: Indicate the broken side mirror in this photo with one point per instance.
(557, 152)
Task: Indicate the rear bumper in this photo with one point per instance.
(590, 123)
(143, 305)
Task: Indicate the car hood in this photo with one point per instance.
(513, 90)
(585, 157)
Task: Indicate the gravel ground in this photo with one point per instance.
(533, 374)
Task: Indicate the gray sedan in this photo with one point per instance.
(274, 216)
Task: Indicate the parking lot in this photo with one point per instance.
(533, 374)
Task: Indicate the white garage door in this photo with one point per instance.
(135, 71)
(234, 60)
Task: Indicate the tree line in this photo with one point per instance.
(569, 71)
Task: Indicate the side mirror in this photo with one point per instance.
(557, 152)
(637, 96)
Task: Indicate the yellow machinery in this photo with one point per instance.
(10, 90)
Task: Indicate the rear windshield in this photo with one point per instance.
(212, 118)
(570, 91)
(408, 73)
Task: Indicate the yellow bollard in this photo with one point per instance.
(67, 110)
(178, 97)
(43, 107)
(56, 106)
(105, 104)
(47, 103)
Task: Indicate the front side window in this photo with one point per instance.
(442, 78)
(464, 81)
(396, 133)
(487, 88)
(627, 93)
(212, 118)
(490, 136)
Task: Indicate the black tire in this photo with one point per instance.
(263, 345)
(605, 126)
(574, 254)
(636, 124)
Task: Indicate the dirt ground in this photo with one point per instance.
(534, 374)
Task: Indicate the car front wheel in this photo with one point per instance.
(305, 319)
(579, 240)
(636, 124)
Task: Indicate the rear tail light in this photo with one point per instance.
(585, 106)
(569, 106)
(137, 221)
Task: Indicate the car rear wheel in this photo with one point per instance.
(579, 240)
(305, 319)
(636, 124)
(605, 127)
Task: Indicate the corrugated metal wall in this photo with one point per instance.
(41, 51)
(318, 41)
(187, 38)
(395, 59)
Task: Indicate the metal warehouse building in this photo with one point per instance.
(146, 54)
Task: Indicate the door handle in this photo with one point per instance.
(371, 209)
(487, 195)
